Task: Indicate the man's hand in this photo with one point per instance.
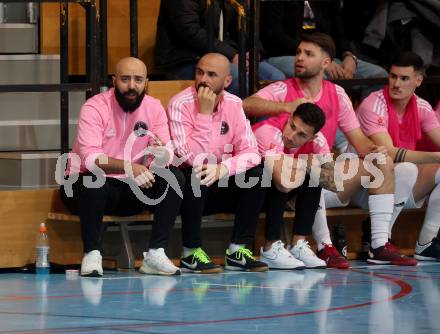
(206, 100)
(349, 66)
(379, 152)
(291, 106)
(335, 71)
(157, 149)
(210, 173)
(141, 175)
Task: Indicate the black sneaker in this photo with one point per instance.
(199, 262)
(242, 259)
(429, 251)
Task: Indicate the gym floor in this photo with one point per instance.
(363, 299)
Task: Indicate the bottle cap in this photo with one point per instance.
(43, 227)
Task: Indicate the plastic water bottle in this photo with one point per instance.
(42, 265)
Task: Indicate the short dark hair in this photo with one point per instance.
(324, 41)
(409, 58)
(311, 114)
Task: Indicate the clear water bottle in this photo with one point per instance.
(42, 265)
(339, 239)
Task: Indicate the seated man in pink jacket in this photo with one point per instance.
(398, 119)
(220, 159)
(286, 142)
(118, 166)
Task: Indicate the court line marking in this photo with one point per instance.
(405, 289)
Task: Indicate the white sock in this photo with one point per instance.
(432, 217)
(320, 229)
(234, 247)
(381, 210)
(332, 200)
(405, 177)
(187, 251)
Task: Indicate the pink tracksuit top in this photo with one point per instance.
(332, 99)
(104, 128)
(225, 135)
(373, 117)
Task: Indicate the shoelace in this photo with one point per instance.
(304, 246)
(244, 252)
(161, 258)
(277, 246)
(200, 255)
(331, 250)
(392, 247)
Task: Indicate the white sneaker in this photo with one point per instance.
(91, 265)
(157, 263)
(277, 257)
(304, 253)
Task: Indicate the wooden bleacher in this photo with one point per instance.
(23, 210)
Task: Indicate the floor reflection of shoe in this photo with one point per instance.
(332, 257)
(277, 257)
(156, 288)
(304, 253)
(389, 254)
(200, 288)
(429, 251)
(92, 289)
(311, 278)
(281, 283)
(241, 290)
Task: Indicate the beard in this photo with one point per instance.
(126, 104)
(307, 74)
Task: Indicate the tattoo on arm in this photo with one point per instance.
(400, 155)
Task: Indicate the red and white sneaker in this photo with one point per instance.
(332, 257)
(389, 254)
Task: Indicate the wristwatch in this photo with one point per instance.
(350, 54)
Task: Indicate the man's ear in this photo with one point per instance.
(419, 79)
(326, 61)
(228, 81)
(114, 80)
(146, 86)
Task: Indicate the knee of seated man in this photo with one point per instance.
(386, 167)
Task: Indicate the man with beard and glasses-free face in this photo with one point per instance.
(398, 119)
(313, 55)
(220, 163)
(118, 166)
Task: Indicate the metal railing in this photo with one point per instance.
(92, 64)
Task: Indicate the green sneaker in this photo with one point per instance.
(199, 262)
(243, 260)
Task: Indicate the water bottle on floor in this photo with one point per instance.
(42, 265)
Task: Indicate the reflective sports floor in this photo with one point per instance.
(364, 299)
